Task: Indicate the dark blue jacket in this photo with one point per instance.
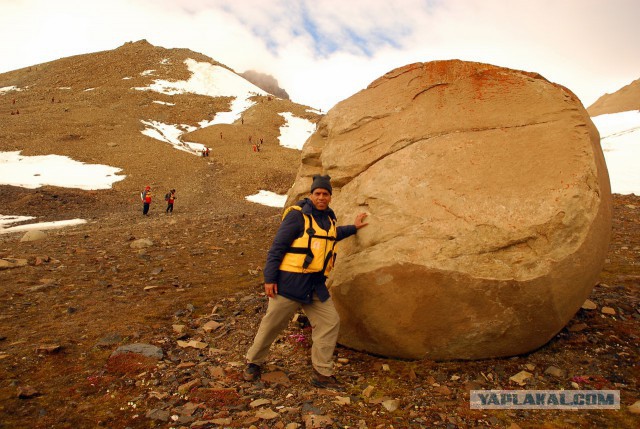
(300, 286)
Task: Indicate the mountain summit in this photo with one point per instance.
(266, 82)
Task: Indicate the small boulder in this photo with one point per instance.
(34, 235)
(147, 350)
(7, 263)
(554, 371)
(141, 243)
(27, 392)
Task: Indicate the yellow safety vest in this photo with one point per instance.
(314, 251)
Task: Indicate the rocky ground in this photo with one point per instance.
(193, 292)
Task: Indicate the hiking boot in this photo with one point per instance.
(251, 372)
(326, 382)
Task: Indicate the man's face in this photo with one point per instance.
(320, 198)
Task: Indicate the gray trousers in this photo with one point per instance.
(325, 325)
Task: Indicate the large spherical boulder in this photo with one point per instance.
(489, 208)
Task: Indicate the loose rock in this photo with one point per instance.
(34, 235)
(147, 350)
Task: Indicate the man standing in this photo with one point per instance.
(146, 199)
(298, 263)
(170, 198)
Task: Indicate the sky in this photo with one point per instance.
(324, 51)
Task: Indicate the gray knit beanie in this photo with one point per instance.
(323, 182)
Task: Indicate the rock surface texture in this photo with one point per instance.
(489, 210)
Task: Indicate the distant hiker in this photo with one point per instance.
(255, 148)
(220, 135)
(203, 153)
(170, 198)
(206, 152)
(242, 121)
(145, 196)
(295, 275)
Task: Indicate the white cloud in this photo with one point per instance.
(324, 51)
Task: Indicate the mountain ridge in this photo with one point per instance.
(625, 99)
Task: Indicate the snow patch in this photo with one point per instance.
(35, 171)
(268, 198)
(171, 134)
(6, 89)
(295, 131)
(41, 226)
(620, 141)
